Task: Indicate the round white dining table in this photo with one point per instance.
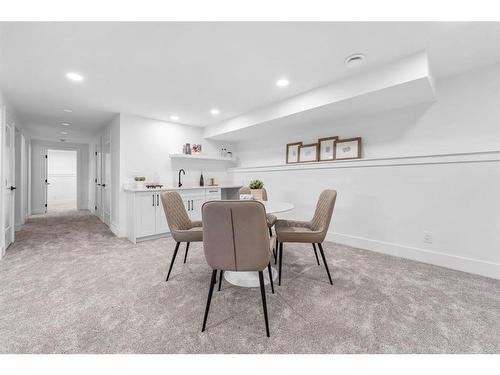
(251, 279)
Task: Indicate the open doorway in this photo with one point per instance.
(61, 180)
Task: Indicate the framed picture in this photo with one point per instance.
(327, 148)
(348, 148)
(292, 152)
(308, 153)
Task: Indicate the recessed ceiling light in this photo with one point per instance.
(354, 60)
(174, 117)
(283, 82)
(67, 110)
(65, 124)
(214, 111)
(74, 76)
(64, 133)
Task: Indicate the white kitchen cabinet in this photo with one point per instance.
(146, 214)
(161, 219)
(193, 200)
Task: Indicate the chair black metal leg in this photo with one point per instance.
(186, 254)
(281, 262)
(271, 276)
(210, 292)
(173, 259)
(276, 255)
(264, 305)
(316, 253)
(324, 261)
(220, 279)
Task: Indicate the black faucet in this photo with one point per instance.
(183, 171)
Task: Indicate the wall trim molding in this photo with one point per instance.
(465, 264)
(452, 158)
(117, 231)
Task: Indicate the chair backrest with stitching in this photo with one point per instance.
(324, 210)
(235, 235)
(175, 212)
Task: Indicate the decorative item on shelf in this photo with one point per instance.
(308, 153)
(153, 185)
(229, 154)
(187, 149)
(139, 182)
(348, 148)
(211, 182)
(256, 189)
(196, 149)
(202, 183)
(246, 197)
(292, 152)
(327, 148)
(223, 153)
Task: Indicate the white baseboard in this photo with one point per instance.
(476, 266)
(118, 232)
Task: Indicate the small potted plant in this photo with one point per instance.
(139, 182)
(256, 188)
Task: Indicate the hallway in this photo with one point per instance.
(70, 286)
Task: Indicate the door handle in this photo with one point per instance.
(157, 199)
(153, 200)
(12, 188)
(189, 205)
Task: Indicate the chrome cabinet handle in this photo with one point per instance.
(153, 200)
(157, 199)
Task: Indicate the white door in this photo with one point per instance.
(98, 182)
(106, 181)
(9, 184)
(161, 219)
(146, 214)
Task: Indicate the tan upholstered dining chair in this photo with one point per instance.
(313, 231)
(271, 219)
(181, 227)
(235, 239)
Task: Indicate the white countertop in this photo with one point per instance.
(133, 189)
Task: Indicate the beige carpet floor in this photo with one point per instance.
(68, 285)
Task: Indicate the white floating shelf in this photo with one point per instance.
(201, 157)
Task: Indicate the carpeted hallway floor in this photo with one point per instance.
(68, 285)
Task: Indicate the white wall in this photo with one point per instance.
(62, 175)
(38, 148)
(386, 204)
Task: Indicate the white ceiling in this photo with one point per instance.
(159, 69)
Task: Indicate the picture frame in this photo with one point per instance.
(308, 153)
(292, 152)
(326, 148)
(348, 148)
